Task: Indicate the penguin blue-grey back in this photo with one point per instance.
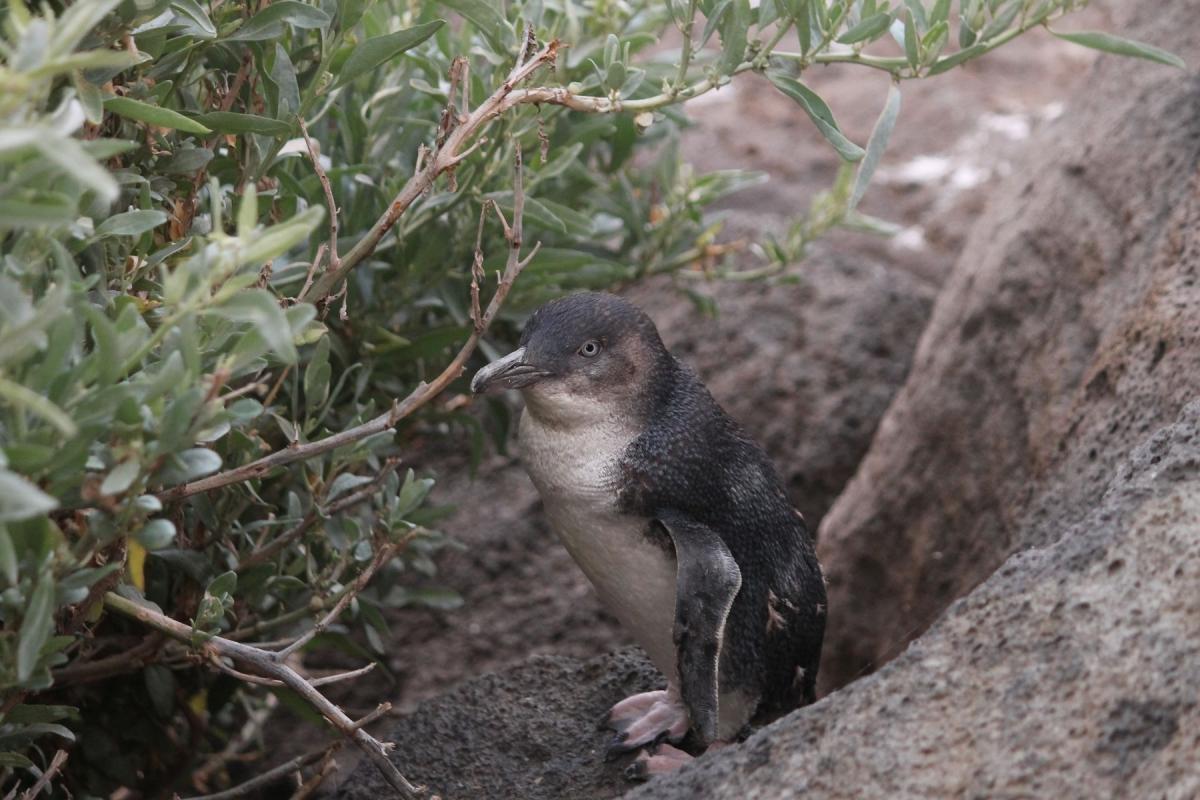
(675, 515)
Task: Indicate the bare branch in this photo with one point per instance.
(272, 775)
(380, 710)
(268, 665)
(312, 270)
(56, 764)
(334, 261)
(338, 677)
(382, 556)
(130, 660)
(256, 720)
(307, 788)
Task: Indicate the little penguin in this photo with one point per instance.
(677, 518)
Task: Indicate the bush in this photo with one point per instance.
(216, 334)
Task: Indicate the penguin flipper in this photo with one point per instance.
(707, 580)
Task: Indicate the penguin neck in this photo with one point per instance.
(555, 406)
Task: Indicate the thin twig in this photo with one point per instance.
(338, 677)
(131, 660)
(380, 710)
(312, 270)
(307, 788)
(382, 556)
(278, 544)
(256, 720)
(271, 775)
(334, 261)
(265, 664)
(56, 764)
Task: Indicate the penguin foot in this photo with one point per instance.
(645, 719)
(664, 759)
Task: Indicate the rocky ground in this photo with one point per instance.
(1028, 430)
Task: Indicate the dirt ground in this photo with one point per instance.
(522, 594)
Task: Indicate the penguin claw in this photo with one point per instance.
(646, 720)
(664, 759)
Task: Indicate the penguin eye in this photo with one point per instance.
(590, 349)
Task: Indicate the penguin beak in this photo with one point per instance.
(509, 372)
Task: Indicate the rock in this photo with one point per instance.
(531, 732)
(1071, 672)
(1069, 330)
(808, 368)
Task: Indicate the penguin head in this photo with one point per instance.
(580, 356)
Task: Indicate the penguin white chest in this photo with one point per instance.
(576, 472)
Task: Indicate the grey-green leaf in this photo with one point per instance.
(876, 145)
(36, 627)
(20, 499)
(268, 23)
(1107, 42)
(156, 534)
(869, 28)
(233, 122)
(819, 112)
(380, 49)
(155, 115)
(259, 308)
(131, 223)
(120, 478)
(488, 20)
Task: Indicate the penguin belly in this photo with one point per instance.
(576, 473)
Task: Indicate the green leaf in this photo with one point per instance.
(259, 308)
(344, 483)
(25, 714)
(72, 159)
(1001, 22)
(8, 557)
(223, 584)
(20, 499)
(233, 122)
(193, 20)
(160, 685)
(36, 626)
(268, 23)
(876, 145)
(487, 19)
(121, 477)
(247, 219)
(15, 761)
(48, 211)
(131, 223)
(378, 50)
(440, 598)
(869, 28)
(199, 461)
(819, 112)
(911, 44)
(1107, 42)
(954, 59)
(155, 115)
(412, 493)
(733, 36)
(278, 239)
(156, 534)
